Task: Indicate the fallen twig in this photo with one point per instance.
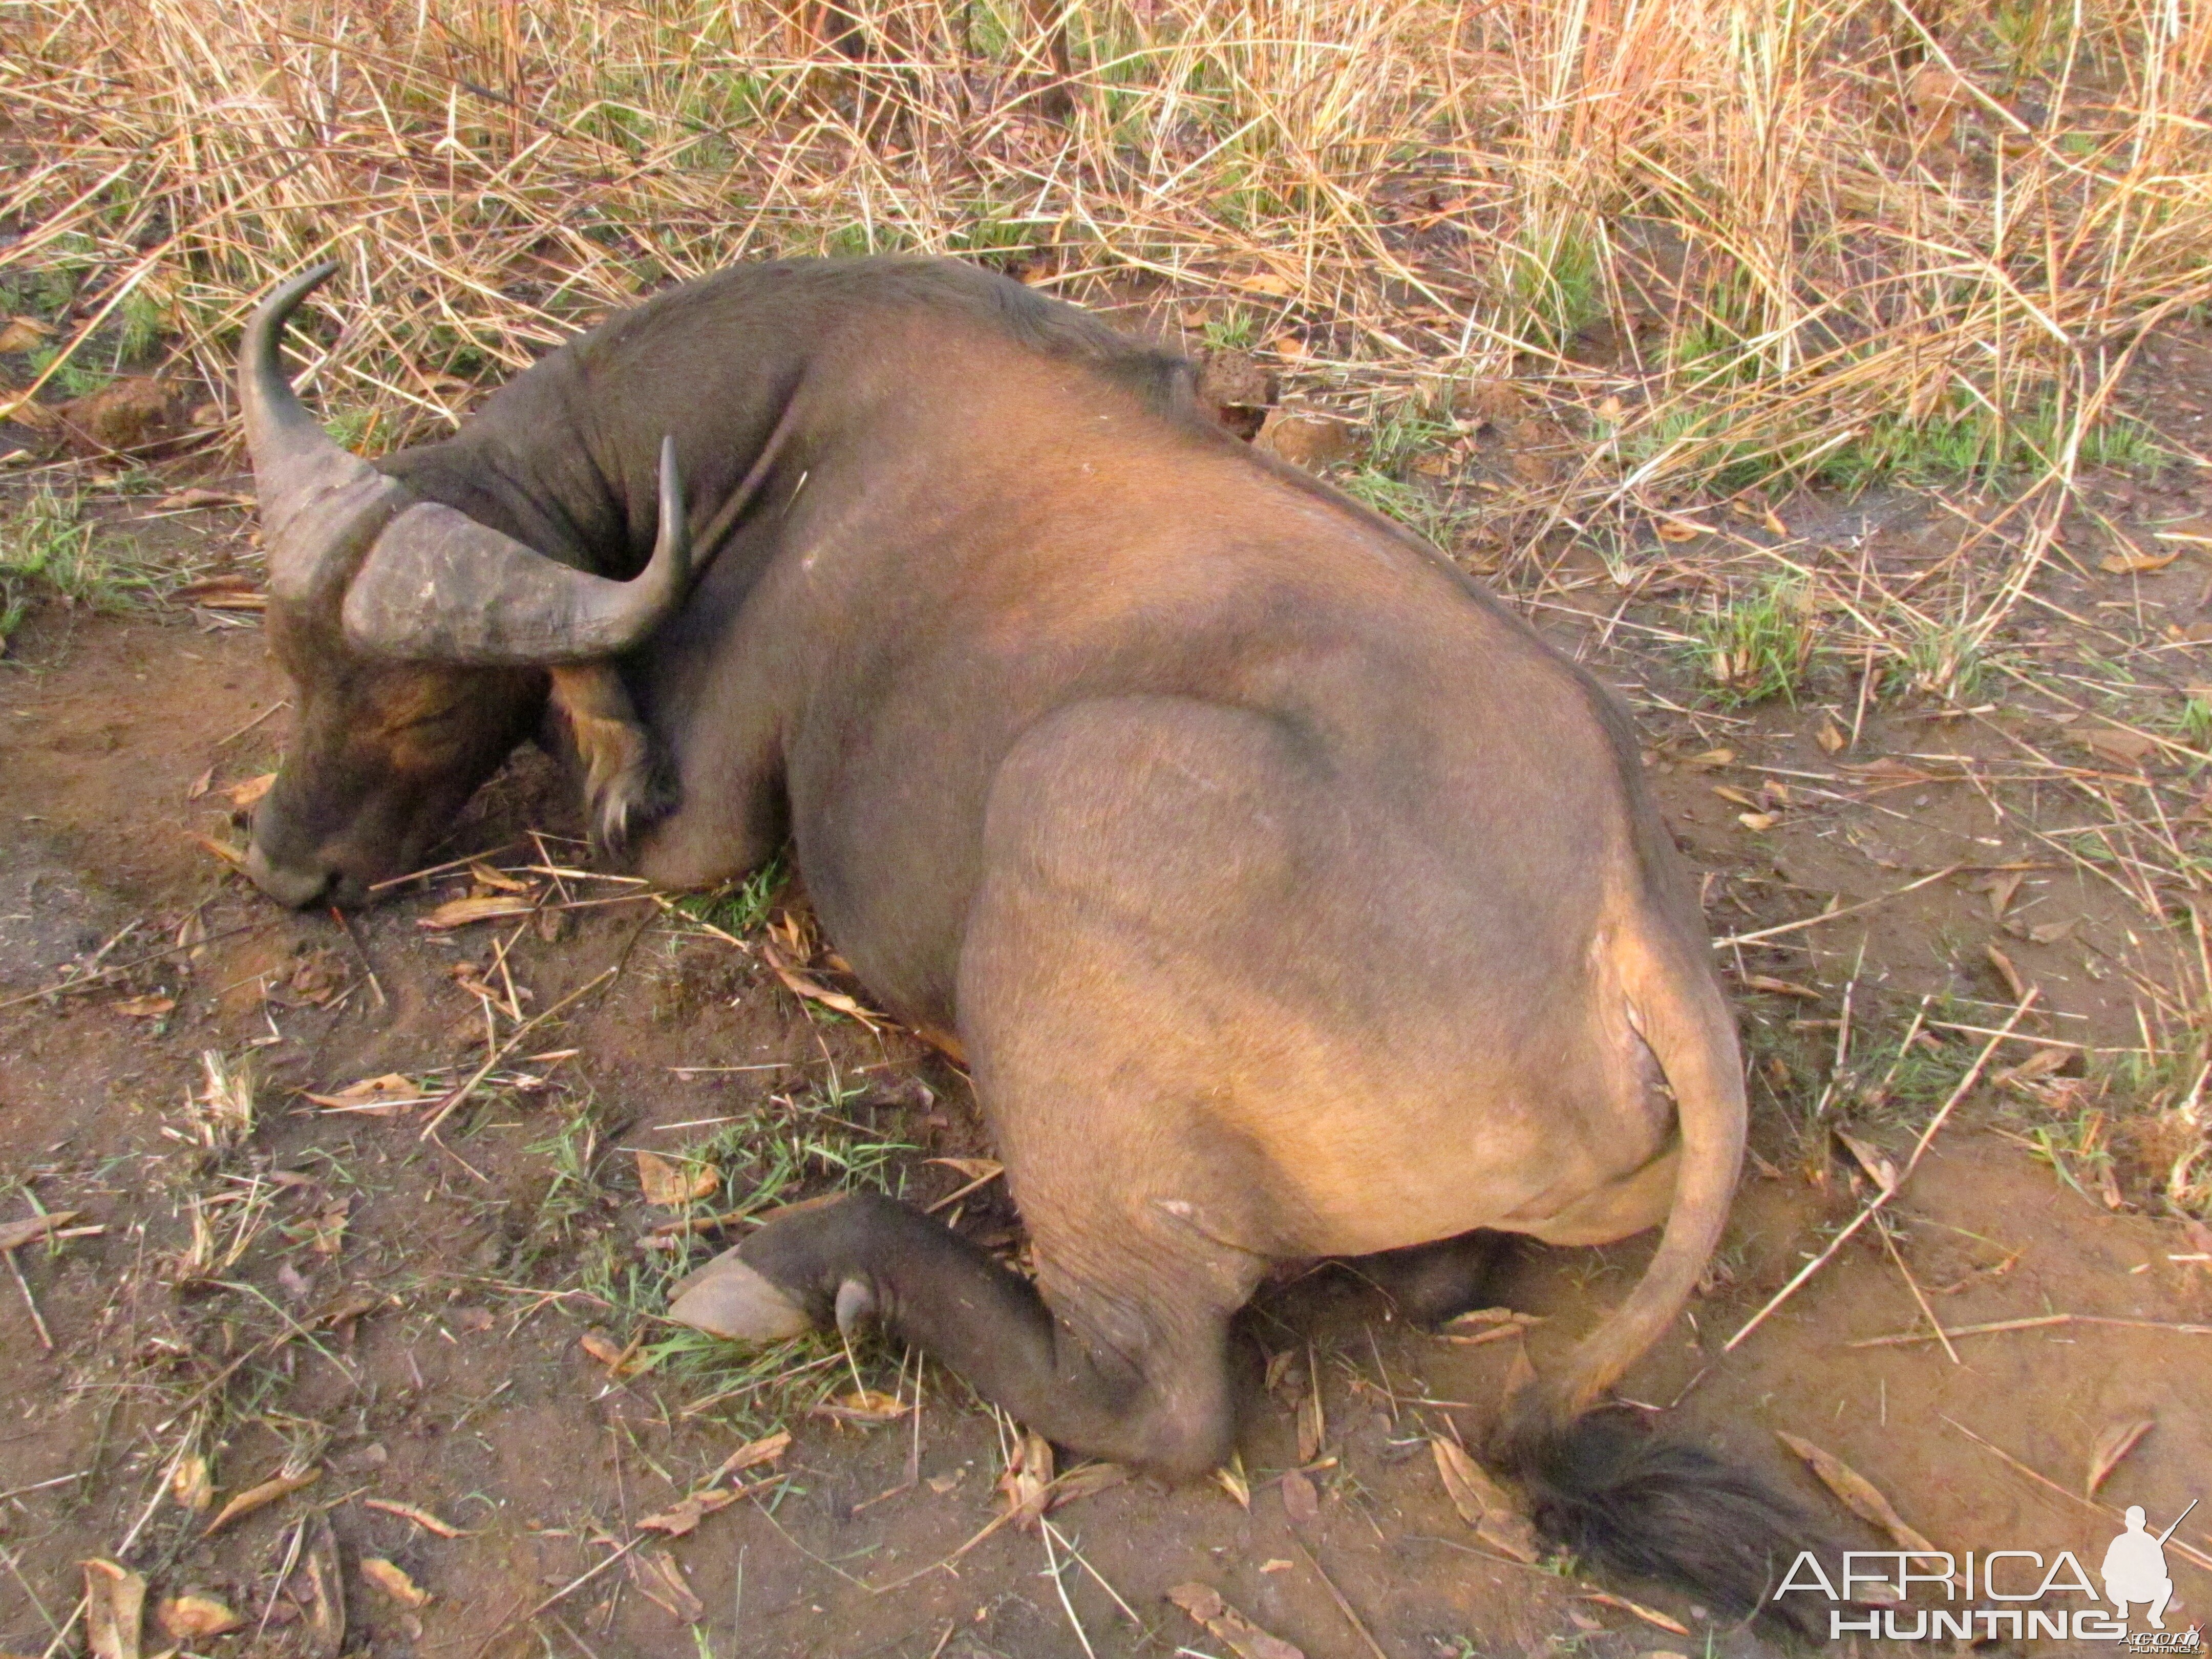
(1832, 916)
(1882, 1198)
(452, 1101)
(2040, 1321)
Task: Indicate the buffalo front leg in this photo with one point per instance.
(1154, 1396)
(627, 785)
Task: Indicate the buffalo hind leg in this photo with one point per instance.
(1165, 1409)
(1432, 1283)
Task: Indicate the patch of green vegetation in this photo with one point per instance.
(1237, 329)
(1942, 659)
(50, 549)
(74, 379)
(1759, 644)
(1404, 430)
(990, 235)
(2193, 725)
(1427, 512)
(1555, 285)
(1965, 441)
(805, 1146)
(355, 429)
(740, 906)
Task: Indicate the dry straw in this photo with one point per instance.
(1798, 230)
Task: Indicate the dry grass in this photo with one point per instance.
(1806, 233)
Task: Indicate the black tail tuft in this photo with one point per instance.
(1603, 1487)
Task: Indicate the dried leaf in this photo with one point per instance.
(145, 1007)
(753, 1454)
(16, 1234)
(1026, 1481)
(657, 1575)
(1482, 1503)
(22, 334)
(2134, 563)
(1267, 281)
(1857, 1493)
(1832, 738)
(192, 1484)
(868, 1406)
(1312, 1424)
(189, 1618)
(2050, 932)
(2040, 1064)
(233, 856)
(461, 912)
(114, 1610)
(1230, 1627)
(1780, 987)
(200, 785)
(1757, 822)
(2007, 972)
(1649, 1615)
(330, 1230)
(498, 880)
(604, 1348)
(682, 1517)
(420, 1517)
(813, 991)
(2002, 885)
(256, 1498)
(1681, 530)
(1300, 1501)
(374, 1096)
(249, 793)
(669, 1186)
(1872, 1159)
(1230, 1478)
(1084, 1482)
(1729, 792)
(2114, 1444)
(1711, 760)
(2109, 743)
(393, 1581)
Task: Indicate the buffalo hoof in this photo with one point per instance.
(727, 1298)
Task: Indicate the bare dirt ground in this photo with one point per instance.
(448, 1342)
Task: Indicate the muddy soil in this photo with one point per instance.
(454, 1332)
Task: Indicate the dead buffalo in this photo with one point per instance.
(1288, 897)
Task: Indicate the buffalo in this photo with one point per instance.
(1287, 895)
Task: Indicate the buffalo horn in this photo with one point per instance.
(320, 506)
(438, 586)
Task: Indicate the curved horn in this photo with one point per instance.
(438, 586)
(318, 504)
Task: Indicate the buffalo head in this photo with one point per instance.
(417, 639)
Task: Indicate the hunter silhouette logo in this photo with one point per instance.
(2134, 1567)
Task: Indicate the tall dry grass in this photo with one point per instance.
(1749, 235)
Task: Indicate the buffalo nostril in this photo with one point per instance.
(287, 885)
